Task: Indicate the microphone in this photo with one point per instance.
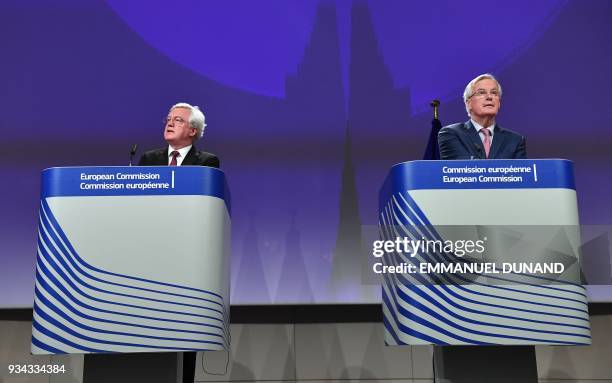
(132, 152)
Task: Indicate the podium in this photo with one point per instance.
(525, 212)
(132, 260)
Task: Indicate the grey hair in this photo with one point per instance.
(469, 89)
(196, 118)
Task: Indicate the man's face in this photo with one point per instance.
(485, 101)
(178, 133)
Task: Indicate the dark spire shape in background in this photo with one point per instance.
(346, 274)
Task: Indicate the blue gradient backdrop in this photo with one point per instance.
(308, 104)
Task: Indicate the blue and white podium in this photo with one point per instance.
(132, 259)
(447, 200)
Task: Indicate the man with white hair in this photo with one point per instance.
(481, 137)
(183, 126)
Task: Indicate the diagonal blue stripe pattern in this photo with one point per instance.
(402, 213)
(106, 305)
(70, 250)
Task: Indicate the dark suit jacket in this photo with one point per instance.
(159, 157)
(462, 142)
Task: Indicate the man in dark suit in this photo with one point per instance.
(184, 125)
(481, 137)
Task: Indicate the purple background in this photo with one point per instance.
(308, 104)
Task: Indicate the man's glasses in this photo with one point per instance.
(482, 93)
(177, 120)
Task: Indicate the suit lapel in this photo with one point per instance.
(474, 140)
(498, 141)
(163, 157)
(190, 158)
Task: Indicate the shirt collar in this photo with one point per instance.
(477, 126)
(182, 151)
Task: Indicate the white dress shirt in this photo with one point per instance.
(491, 128)
(182, 154)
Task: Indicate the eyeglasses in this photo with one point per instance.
(482, 93)
(177, 120)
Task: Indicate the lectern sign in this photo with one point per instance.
(135, 180)
(488, 174)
